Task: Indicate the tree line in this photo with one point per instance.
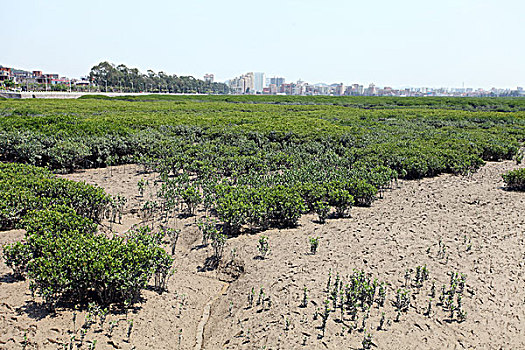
(121, 78)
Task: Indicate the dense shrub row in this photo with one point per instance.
(67, 261)
(256, 162)
(24, 188)
(508, 104)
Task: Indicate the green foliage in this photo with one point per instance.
(363, 192)
(254, 161)
(191, 197)
(66, 260)
(17, 256)
(515, 179)
(284, 205)
(321, 209)
(314, 244)
(121, 78)
(263, 247)
(341, 199)
(219, 240)
(24, 188)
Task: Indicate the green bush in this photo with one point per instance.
(24, 188)
(66, 260)
(363, 192)
(341, 199)
(285, 206)
(311, 194)
(515, 179)
(322, 209)
(232, 208)
(17, 256)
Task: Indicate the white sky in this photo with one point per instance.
(433, 43)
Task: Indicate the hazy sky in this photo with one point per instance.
(399, 43)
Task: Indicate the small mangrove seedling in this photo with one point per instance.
(365, 318)
(260, 297)
(429, 308)
(337, 282)
(367, 341)
(328, 284)
(208, 228)
(112, 325)
(433, 290)
(417, 277)
(251, 297)
(442, 295)
(173, 237)
(264, 246)
(381, 322)
(304, 303)
(381, 295)
(353, 310)
(462, 315)
(314, 244)
(71, 342)
(324, 316)
(130, 329)
(462, 283)
(407, 277)
(74, 321)
(402, 302)
(142, 184)
(219, 240)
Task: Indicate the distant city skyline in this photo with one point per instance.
(391, 43)
(247, 83)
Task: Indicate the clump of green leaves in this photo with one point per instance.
(402, 302)
(515, 180)
(219, 240)
(67, 261)
(263, 247)
(322, 209)
(314, 244)
(142, 184)
(367, 341)
(208, 228)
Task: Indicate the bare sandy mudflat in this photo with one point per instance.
(481, 227)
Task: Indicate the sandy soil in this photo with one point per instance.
(481, 226)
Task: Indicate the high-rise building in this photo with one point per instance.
(277, 81)
(259, 81)
(339, 89)
(243, 84)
